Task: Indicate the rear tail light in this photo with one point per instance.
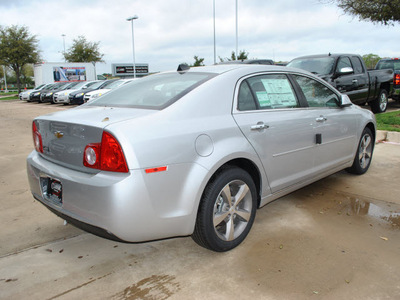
(37, 138)
(105, 156)
(396, 79)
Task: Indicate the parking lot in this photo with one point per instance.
(338, 238)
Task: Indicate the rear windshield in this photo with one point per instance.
(317, 65)
(388, 64)
(153, 92)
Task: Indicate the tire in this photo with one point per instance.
(222, 224)
(380, 104)
(363, 157)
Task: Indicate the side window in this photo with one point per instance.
(358, 68)
(272, 91)
(316, 93)
(245, 98)
(344, 62)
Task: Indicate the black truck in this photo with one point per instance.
(348, 74)
(393, 64)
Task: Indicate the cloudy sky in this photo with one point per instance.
(169, 32)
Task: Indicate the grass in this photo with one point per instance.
(9, 98)
(388, 121)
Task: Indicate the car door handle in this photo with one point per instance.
(321, 119)
(354, 80)
(259, 126)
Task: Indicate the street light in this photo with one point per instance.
(63, 35)
(130, 19)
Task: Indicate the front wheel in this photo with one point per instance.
(379, 105)
(227, 210)
(363, 157)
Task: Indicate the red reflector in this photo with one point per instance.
(154, 170)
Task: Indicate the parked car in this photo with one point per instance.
(348, 73)
(35, 95)
(249, 62)
(77, 96)
(63, 96)
(195, 152)
(105, 89)
(392, 64)
(25, 94)
(48, 97)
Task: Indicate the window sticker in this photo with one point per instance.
(279, 92)
(263, 99)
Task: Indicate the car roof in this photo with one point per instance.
(325, 55)
(219, 69)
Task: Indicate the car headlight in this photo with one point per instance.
(37, 94)
(96, 95)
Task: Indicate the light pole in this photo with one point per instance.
(63, 35)
(237, 30)
(215, 51)
(130, 19)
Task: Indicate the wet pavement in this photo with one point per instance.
(338, 238)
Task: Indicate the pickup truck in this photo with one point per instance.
(348, 74)
(393, 64)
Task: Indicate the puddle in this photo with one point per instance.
(389, 213)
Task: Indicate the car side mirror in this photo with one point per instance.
(345, 71)
(345, 101)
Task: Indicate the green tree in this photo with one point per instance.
(371, 60)
(17, 48)
(198, 61)
(386, 12)
(84, 51)
(242, 56)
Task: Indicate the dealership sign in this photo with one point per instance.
(127, 69)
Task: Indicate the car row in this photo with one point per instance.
(195, 151)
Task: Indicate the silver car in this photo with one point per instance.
(195, 152)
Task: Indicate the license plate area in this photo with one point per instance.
(51, 190)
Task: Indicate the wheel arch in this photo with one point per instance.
(247, 165)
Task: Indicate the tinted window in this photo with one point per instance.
(245, 98)
(388, 64)
(270, 91)
(316, 93)
(357, 66)
(153, 92)
(317, 65)
(344, 62)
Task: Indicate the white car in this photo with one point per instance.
(62, 97)
(25, 94)
(113, 85)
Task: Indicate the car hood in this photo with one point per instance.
(66, 134)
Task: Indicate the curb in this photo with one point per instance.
(392, 137)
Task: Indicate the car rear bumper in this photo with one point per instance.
(132, 207)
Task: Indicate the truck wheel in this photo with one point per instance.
(227, 210)
(379, 105)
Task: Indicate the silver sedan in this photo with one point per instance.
(195, 152)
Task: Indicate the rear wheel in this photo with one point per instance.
(379, 105)
(227, 210)
(363, 157)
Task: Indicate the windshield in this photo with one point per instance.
(317, 65)
(153, 92)
(80, 85)
(114, 84)
(95, 84)
(388, 64)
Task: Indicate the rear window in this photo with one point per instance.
(388, 64)
(315, 65)
(153, 92)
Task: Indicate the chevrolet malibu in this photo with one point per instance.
(194, 152)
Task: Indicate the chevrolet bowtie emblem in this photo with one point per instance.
(58, 134)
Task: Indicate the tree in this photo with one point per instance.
(371, 60)
(18, 48)
(84, 51)
(198, 61)
(242, 56)
(386, 12)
